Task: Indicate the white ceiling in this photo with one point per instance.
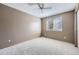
(34, 10)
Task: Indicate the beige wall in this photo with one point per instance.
(67, 31)
(17, 26)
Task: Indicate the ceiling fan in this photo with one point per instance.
(40, 5)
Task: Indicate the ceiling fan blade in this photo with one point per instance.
(32, 4)
(40, 5)
(48, 8)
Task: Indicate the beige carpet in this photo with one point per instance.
(41, 46)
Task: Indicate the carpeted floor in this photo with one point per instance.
(41, 46)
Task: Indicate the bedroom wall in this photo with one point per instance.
(17, 26)
(67, 33)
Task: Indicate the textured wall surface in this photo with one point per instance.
(16, 26)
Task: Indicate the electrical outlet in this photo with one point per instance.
(65, 37)
(9, 41)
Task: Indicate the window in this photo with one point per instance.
(54, 24)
